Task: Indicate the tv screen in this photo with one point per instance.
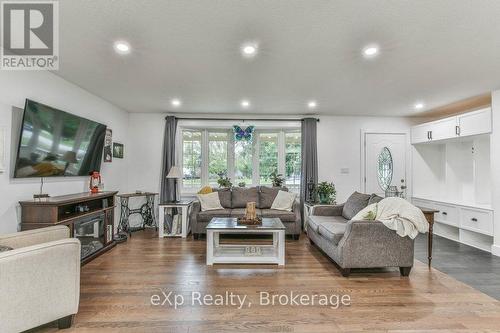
(55, 143)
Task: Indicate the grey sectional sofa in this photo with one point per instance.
(358, 244)
(234, 202)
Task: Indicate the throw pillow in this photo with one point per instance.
(284, 201)
(205, 190)
(209, 201)
(356, 202)
(374, 199)
(4, 248)
(367, 213)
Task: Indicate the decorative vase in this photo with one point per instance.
(324, 198)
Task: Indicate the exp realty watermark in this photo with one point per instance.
(175, 300)
(29, 35)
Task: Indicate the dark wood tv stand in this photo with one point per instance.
(89, 216)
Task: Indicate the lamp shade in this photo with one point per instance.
(175, 172)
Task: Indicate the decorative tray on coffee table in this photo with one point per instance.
(245, 221)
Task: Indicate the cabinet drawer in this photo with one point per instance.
(447, 214)
(477, 220)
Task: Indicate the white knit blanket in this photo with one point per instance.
(397, 214)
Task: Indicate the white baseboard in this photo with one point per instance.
(495, 250)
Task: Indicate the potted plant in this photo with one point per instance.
(242, 184)
(326, 192)
(277, 179)
(224, 181)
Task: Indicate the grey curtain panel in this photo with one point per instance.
(309, 157)
(168, 191)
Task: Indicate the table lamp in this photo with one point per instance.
(175, 173)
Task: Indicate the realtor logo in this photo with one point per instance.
(30, 35)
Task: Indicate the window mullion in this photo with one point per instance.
(281, 152)
(204, 158)
(255, 159)
(230, 156)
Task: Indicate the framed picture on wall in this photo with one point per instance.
(108, 139)
(117, 150)
(2, 150)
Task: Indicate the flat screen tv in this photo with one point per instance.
(54, 143)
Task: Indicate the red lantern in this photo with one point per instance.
(95, 182)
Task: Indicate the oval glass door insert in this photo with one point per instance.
(384, 168)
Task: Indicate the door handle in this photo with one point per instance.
(428, 135)
(445, 213)
(431, 135)
(473, 219)
(457, 130)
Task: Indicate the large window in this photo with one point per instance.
(191, 158)
(209, 154)
(217, 155)
(293, 159)
(268, 157)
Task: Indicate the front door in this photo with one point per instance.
(384, 161)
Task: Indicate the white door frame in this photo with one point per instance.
(362, 178)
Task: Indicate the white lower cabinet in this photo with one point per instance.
(466, 224)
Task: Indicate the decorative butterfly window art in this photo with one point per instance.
(241, 134)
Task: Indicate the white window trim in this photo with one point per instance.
(230, 153)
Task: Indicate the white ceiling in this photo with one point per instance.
(432, 51)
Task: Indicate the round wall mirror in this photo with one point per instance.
(384, 168)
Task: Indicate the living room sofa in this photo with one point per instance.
(234, 202)
(358, 244)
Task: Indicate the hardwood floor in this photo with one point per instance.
(116, 291)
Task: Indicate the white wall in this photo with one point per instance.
(47, 88)
(339, 144)
(495, 170)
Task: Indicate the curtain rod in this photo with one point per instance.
(234, 119)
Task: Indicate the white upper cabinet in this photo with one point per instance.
(420, 133)
(444, 129)
(472, 123)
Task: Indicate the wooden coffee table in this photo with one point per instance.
(242, 251)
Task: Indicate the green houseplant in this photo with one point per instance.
(326, 192)
(224, 181)
(277, 179)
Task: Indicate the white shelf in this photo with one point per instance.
(454, 202)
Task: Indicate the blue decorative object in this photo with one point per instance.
(241, 134)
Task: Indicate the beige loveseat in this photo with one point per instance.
(39, 279)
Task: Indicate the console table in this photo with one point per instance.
(89, 216)
(429, 216)
(146, 211)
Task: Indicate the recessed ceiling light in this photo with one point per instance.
(370, 51)
(176, 102)
(122, 47)
(419, 106)
(249, 50)
(312, 104)
(244, 103)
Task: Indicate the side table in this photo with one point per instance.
(185, 207)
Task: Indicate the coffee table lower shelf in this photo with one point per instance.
(241, 253)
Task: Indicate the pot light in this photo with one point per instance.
(244, 103)
(249, 50)
(312, 104)
(419, 106)
(122, 47)
(370, 51)
(175, 102)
